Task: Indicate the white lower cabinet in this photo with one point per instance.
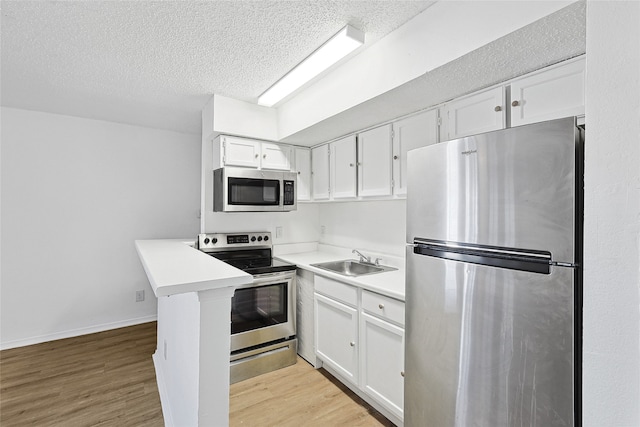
(382, 362)
(305, 318)
(360, 336)
(337, 336)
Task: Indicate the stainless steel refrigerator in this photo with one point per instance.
(493, 297)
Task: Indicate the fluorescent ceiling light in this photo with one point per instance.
(339, 46)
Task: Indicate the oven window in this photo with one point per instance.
(254, 192)
(257, 307)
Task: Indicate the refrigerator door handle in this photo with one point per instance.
(510, 258)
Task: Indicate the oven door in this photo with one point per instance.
(264, 310)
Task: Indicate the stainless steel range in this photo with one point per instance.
(263, 318)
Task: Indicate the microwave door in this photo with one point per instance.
(250, 194)
(247, 190)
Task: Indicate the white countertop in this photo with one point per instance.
(389, 283)
(175, 267)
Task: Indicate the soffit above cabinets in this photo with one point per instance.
(557, 37)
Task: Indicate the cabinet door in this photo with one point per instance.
(336, 336)
(374, 162)
(276, 156)
(413, 132)
(382, 363)
(343, 168)
(478, 113)
(549, 94)
(302, 158)
(304, 315)
(320, 172)
(241, 152)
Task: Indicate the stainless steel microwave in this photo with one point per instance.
(252, 190)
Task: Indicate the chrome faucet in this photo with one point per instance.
(363, 258)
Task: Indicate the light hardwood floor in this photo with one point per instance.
(298, 396)
(108, 379)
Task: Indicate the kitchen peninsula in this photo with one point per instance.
(194, 293)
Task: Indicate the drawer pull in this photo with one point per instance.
(380, 306)
(402, 373)
(352, 344)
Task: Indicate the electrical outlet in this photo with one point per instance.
(322, 230)
(140, 296)
(278, 232)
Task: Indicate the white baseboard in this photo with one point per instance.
(162, 390)
(76, 332)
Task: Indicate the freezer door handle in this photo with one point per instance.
(531, 261)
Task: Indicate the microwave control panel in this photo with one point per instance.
(289, 193)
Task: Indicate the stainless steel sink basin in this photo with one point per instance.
(349, 267)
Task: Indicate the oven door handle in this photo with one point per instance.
(265, 279)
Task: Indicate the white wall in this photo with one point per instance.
(612, 216)
(369, 226)
(76, 193)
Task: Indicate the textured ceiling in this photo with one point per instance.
(156, 63)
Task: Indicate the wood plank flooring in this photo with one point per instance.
(108, 379)
(103, 379)
(299, 395)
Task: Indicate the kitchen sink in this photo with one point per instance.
(349, 267)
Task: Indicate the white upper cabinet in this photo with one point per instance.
(240, 152)
(251, 153)
(477, 113)
(343, 168)
(276, 156)
(302, 158)
(549, 94)
(374, 162)
(320, 172)
(413, 132)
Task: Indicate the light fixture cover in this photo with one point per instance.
(337, 47)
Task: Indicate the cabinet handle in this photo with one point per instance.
(256, 156)
(352, 344)
(359, 164)
(380, 306)
(350, 165)
(264, 156)
(515, 103)
(402, 373)
(498, 108)
(395, 157)
(298, 172)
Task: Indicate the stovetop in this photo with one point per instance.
(250, 252)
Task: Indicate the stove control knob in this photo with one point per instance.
(266, 238)
(253, 238)
(206, 241)
(259, 238)
(214, 240)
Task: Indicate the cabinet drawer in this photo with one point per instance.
(336, 290)
(383, 307)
